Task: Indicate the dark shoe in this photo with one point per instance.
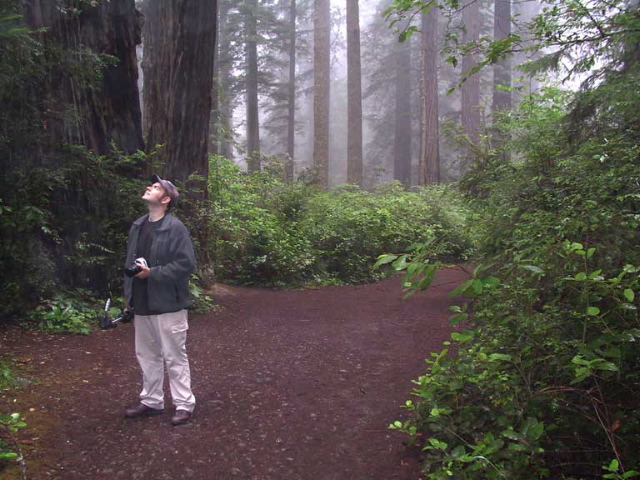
(141, 410)
(180, 418)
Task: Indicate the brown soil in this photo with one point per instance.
(289, 385)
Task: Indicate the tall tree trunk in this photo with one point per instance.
(214, 120)
(429, 165)
(402, 137)
(471, 88)
(179, 40)
(502, 70)
(291, 114)
(251, 53)
(321, 79)
(354, 95)
(109, 114)
(224, 129)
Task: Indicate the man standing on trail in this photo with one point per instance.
(159, 297)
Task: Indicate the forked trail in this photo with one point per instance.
(289, 385)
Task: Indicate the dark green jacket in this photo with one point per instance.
(171, 262)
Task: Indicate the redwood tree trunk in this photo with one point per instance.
(321, 73)
(402, 138)
(179, 38)
(429, 166)
(502, 70)
(106, 115)
(471, 88)
(224, 133)
(251, 55)
(354, 102)
(291, 115)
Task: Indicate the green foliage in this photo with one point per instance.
(9, 425)
(62, 315)
(546, 369)
(58, 225)
(276, 233)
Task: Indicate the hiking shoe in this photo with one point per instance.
(180, 418)
(141, 410)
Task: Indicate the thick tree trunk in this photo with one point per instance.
(179, 38)
(291, 114)
(251, 55)
(471, 88)
(354, 102)
(402, 137)
(109, 114)
(429, 165)
(321, 78)
(502, 70)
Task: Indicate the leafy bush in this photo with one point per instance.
(9, 425)
(276, 233)
(63, 315)
(545, 374)
(58, 225)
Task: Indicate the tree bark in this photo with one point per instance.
(321, 79)
(179, 43)
(224, 74)
(429, 165)
(402, 137)
(291, 114)
(251, 55)
(471, 88)
(103, 116)
(502, 69)
(354, 95)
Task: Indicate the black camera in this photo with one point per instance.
(136, 268)
(106, 323)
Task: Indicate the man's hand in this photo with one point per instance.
(144, 273)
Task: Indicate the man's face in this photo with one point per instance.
(155, 194)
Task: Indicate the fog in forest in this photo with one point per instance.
(383, 76)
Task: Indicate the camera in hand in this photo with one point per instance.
(136, 268)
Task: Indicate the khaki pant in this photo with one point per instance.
(161, 339)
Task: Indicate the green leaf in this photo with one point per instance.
(384, 259)
(629, 295)
(593, 311)
(580, 276)
(533, 268)
(502, 357)
(462, 337)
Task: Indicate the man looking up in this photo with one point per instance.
(159, 297)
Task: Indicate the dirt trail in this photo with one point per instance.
(289, 385)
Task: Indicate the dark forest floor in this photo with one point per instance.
(289, 385)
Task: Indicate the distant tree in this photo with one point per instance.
(179, 38)
(402, 132)
(226, 47)
(470, 107)
(291, 90)
(354, 95)
(251, 82)
(322, 69)
(502, 69)
(429, 161)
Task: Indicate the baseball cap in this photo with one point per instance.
(169, 188)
